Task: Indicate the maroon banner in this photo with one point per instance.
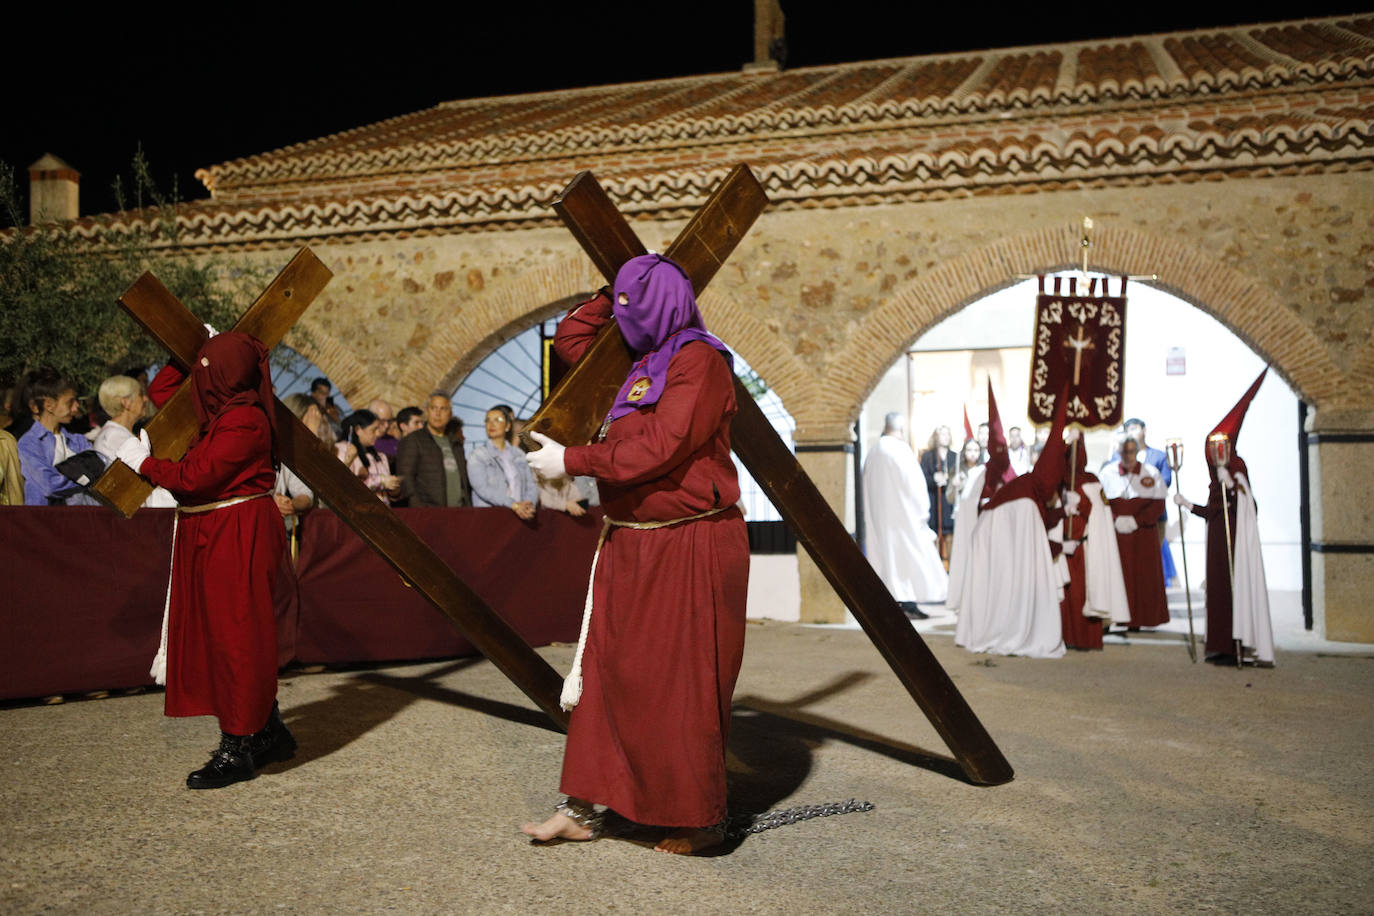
(84, 591)
(1079, 344)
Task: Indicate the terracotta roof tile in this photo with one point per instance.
(986, 122)
(1306, 42)
(1120, 69)
(1363, 26)
(1023, 77)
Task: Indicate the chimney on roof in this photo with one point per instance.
(770, 47)
(54, 191)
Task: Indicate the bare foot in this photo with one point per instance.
(689, 840)
(560, 827)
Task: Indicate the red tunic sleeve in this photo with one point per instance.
(236, 450)
(1146, 512)
(698, 395)
(1212, 508)
(165, 384)
(579, 327)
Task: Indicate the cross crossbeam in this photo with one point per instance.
(574, 409)
(154, 307)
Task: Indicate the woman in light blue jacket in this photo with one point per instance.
(497, 469)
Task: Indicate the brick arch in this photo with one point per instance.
(1250, 310)
(335, 358)
(470, 335)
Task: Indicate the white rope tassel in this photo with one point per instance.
(159, 669)
(572, 684)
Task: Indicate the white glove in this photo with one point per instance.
(135, 451)
(1070, 547)
(1183, 503)
(548, 461)
(1126, 525)
(1224, 475)
(209, 330)
(1071, 501)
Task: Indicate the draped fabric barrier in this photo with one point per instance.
(83, 591)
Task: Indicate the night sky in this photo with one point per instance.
(216, 83)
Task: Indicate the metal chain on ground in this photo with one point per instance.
(743, 824)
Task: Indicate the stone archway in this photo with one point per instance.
(1247, 308)
(468, 335)
(334, 358)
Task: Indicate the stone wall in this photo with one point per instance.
(821, 301)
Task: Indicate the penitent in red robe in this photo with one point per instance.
(666, 639)
(221, 635)
(1079, 632)
(1141, 563)
(1219, 639)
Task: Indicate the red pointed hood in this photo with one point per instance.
(1049, 467)
(968, 427)
(1231, 423)
(1043, 481)
(998, 469)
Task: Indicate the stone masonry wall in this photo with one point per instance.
(821, 301)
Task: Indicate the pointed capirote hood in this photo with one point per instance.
(1041, 484)
(1049, 467)
(1230, 424)
(999, 469)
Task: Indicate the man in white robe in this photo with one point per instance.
(1008, 588)
(897, 535)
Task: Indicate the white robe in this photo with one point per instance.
(965, 520)
(898, 538)
(1003, 579)
(1250, 621)
(1106, 588)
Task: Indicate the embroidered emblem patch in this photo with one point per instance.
(638, 389)
(1147, 481)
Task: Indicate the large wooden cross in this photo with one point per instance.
(573, 412)
(175, 426)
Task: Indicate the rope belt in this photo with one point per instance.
(572, 684)
(159, 668)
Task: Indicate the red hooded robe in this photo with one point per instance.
(648, 736)
(222, 638)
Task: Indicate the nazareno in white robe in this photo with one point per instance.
(898, 539)
(1106, 588)
(1250, 622)
(1003, 580)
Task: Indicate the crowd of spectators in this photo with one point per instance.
(414, 457)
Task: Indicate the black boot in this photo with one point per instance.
(912, 611)
(274, 741)
(231, 762)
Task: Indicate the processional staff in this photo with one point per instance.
(1219, 454)
(1173, 448)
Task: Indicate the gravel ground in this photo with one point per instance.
(1143, 784)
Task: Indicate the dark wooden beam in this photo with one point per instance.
(575, 408)
(700, 249)
(175, 426)
(163, 315)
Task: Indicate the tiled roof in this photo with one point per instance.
(1271, 96)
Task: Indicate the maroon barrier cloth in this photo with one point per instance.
(84, 589)
(354, 606)
(83, 597)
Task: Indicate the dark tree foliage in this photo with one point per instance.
(58, 289)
